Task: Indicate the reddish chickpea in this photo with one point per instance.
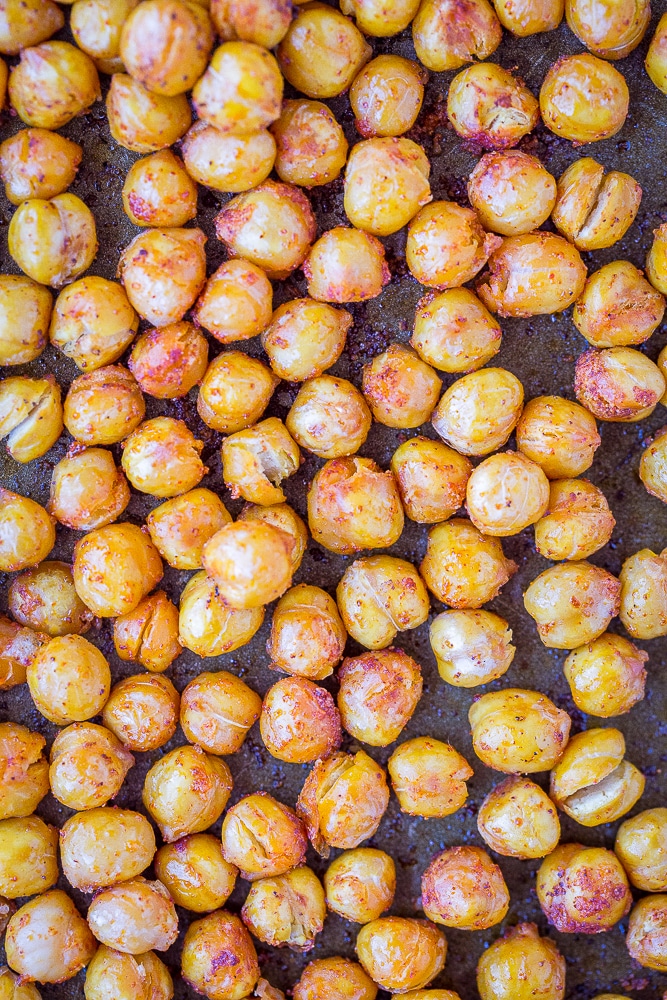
(103, 406)
(379, 596)
(163, 271)
(304, 338)
(250, 563)
(618, 384)
(44, 598)
(386, 183)
(564, 622)
(447, 34)
(162, 457)
(582, 890)
(286, 519)
(88, 767)
(431, 479)
(114, 568)
(169, 361)
(335, 978)
(488, 105)
(511, 192)
(463, 888)
(462, 567)
(219, 958)
(311, 145)
(48, 940)
(447, 245)
(180, 528)
(87, 489)
(400, 388)
(158, 192)
(69, 680)
(322, 51)
(185, 791)
(307, 635)
(360, 884)
(235, 391)
(429, 777)
(299, 722)
(142, 711)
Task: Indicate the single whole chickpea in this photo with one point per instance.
(88, 766)
(360, 884)
(299, 721)
(250, 562)
(387, 95)
(47, 939)
(379, 596)
(446, 36)
(606, 676)
(488, 105)
(558, 434)
(378, 694)
(307, 634)
(518, 731)
(386, 183)
(114, 568)
(322, 51)
(462, 887)
(584, 98)
(142, 711)
(564, 623)
(462, 567)
(518, 820)
(262, 837)
(69, 680)
(429, 777)
(185, 791)
(219, 957)
(431, 479)
(401, 953)
(346, 265)
(286, 910)
(582, 890)
(518, 964)
(217, 711)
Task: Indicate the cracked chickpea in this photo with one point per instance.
(28, 22)
(96, 26)
(144, 122)
(304, 338)
(576, 523)
(386, 183)
(454, 332)
(584, 98)
(307, 635)
(518, 820)
(471, 647)
(572, 603)
(463, 888)
(25, 770)
(431, 479)
(38, 163)
(641, 847)
(360, 884)
(25, 311)
(429, 777)
(447, 35)
(255, 461)
(31, 416)
(236, 302)
(262, 837)
(346, 265)
(93, 322)
(100, 847)
(103, 406)
(506, 493)
(87, 490)
(195, 872)
(447, 245)
(129, 977)
(88, 766)
(69, 680)
(44, 598)
(559, 435)
(158, 192)
(311, 148)
(379, 596)
(378, 694)
(114, 568)
(329, 417)
(163, 271)
(287, 910)
(217, 711)
(511, 192)
(47, 940)
(27, 532)
(170, 361)
(582, 890)
(149, 634)
(521, 965)
(610, 30)
(618, 384)
(207, 625)
(478, 412)
(53, 83)
(227, 162)
(162, 457)
(593, 209)
(241, 90)
(485, 103)
(165, 45)
(142, 711)
(618, 307)
(134, 916)
(401, 953)
(17, 649)
(322, 51)
(219, 957)
(299, 721)
(518, 731)
(400, 388)
(28, 856)
(54, 241)
(606, 676)
(647, 932)
(185, 791)
(462, 567)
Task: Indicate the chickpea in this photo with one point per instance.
(379, 596)
(25, 309)
(582, 890)
(511, 192)
(17, 649)
(235, 391)
(114, 568)
(447, 36)
(299, 721)
(217, 711)
(521, 965)
(87, 490)
(518, 820)
(606, 676)
(654, 63)
(103, 406)
(207, 625)
(529, 17)
(236, 303)
(228, 163)
(559, 435)
(346, 265)
(577, 522)
(304, 338)
(69, 680)
(287, 910)
(142, 121)
(126, 977)
(446, 245)
(429, 777)
(149, 634)
(219, 958)
(165, 45)
(158, 191)
(386, 183)
(97, 26)
(323, 51)
(162, 457)
(400, 388)
(163, 271)
(255, 461)
(379, 19)
(506, 493)
(471, 647)
(594, 209)
(27, 532)
(430, 995)
(618, 307)
(186, 791)
(643, 609)
(652, 466)
(88, 766)
(488, 105)
(262, 837)
(284, 517)
(307, 635)
(142, 711)
(608, 30)
(37, 163)
(30, 416)
(195, 872)
(44, 598)
(518, 731)
(641, 848)
(24, 770)
(336, 978)
(618, 384)
(478, 412)
(93, 322)
(378, 695)
(53, 83)
(134, 917)
(360, 884)
(400, 953)
(26, 23)
(28, 856)
(12, 989)
(463, 888)
(387, 96)
(662, 365)
(103, 846)
(656, 260)
(241, 90)
(584, 99)
(329, 417)
(431, 479)
(48, 940)
(647, 932)
(169, 361)
(54, 241)
(462, 567)
(565, 621)
(264, 22)
(311, 148)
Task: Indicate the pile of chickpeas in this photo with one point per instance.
(211, 78)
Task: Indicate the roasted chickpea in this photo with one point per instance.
(219, 958)
(186, 791)
(165, 44)
(307, 635)
(69, 680)
(142, 121)
(48, 940)
(37, 163)
(10, 986)
(25, 23)
(518, 731)
(322, 51)
(618, 384)
(559, 435)
(378, 695)
(582, 890)
(304, 338)
(262, 837)
(610, 30)
(378, 19)
(114, 568)
(606, 676)
(462, 567)
(447, 36)
(379, 596)
(386, 183)
(641, 847)
(518, 820)
(162, 457)
(471, 647)
(235, 391)
(299, 721)
(93, 322)
(653, 466)
(360, 884)
(478, 412)
(446, 245)
(594, 209)
(103, 406)
(30, 416)
(149, 634)
(255, 461)
(163, 271)
(87, 490)
(287, 910)
(217, 711)
(195, 872)
(511, 192)
(429, 777)
(103, 846)
(488, 105)
(228, 162)
(27, 532)
(170, 361)
(241, 90)
(463, 888)
(401, 953)
(342, 801)
(400, 388)
(430, 995)
(656, 260)
(44, 598)
(17, 649)
(643, 609)
(336, 978)
(97, 26)
(655, 62)
(346, 265)
(158, 191)
(134, 916)
(577, 521)
(142, 711)
(584, 99)
(28, 856)
(387, 96)
(24, 770)
(572, 603)
(506, 493)
(329, 417)
(431, 479)
(236, 303)
(123, 976)
(284, 517)
(88, 767)
(53, 83)
(25, 309)
(618, 307)
(521, 965)
(311, 147)
(647, 932)
(261, 21)
(208, 625)
(54, 241)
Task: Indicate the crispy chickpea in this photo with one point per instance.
(163, 271)
(169, 361)
(529, 17)
(518, 820)
(559, 435)
(162, 457)
(134, 917)
(643, 608)
(114, 568)
(25, 310)
(27, 532)
(227, 162)
(217, 711)
(299, 721)
(23, 769)
(127, 977)
(378, 695)
(336, 978)
(584, 99)
(165, 44)
(307, 635)
(610, 30)
(235, 391)
(618, 384)
(13, 989)
(149, 634)
(53, 83)
(656, 260)
(446, 245)
(322, 51)
(577, 521)
(400, 953)
(518, 731)
(606, 676)
(379, 596)
(255, 461)
(471, 647)
(647, 932)
(103, 406)
(38, 163)
(462, 567)
(241, 90)
(582, 890)
(103, 846)
(287, 910)
(653, 466)
(87, 490)
(463, 888)
(158, 191)
(594, 209)
(284, 517)
(142, 711)
(304, 338)
(386, 183)
(378, 19)
(429, 777)
(447, 34)
(641, 847)
(400, 388)
(329, 417)
(506, 493)
(360, 884)
(478, 412)
(207, 625)
(219, 958)
(511, 192)
(264, 22)
(346, 265)
(44, 598)
(521, 965)
(387, 95)
(97, 26)
(28, 856)
(93, 322)
(489, 106)
(431, 479)
(311, 147)
(236, 303)
(186, 791)
(54, 241)
(195, 872)
(262, 837)
(88, 766)
(142, 121)
(618, 307)
(48, 940)
(30, 416)
(25, 23)
(656, 62)
(572, 603)
(17, 649)
(69, 680)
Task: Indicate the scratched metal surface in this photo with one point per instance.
(542, 352)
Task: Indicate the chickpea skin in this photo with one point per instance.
(103, 406)
(643, 610)
(386, 183)
(262, 837)
(299, 721)
(518, 731)
(25, 24)
(219, 958)
(518, 820)
(185, 791)
(241, 90)
(558, 434)
(307, 635)
(584, 99)
(429, 777)
(606, 676)
(24, 770)
(38, 163)
(207, 625)
(521, 965)
(69, 680)
(462, 567)
(387, 95)
(88, 766)
(27, 532)
(360, 884)
(378, 695)
(163, 271)
(304, 338)
(454, 332)
(478, 412)
(431, 479)
(166, 45)
(87, 490)
(572, 603)
(471, 647)
(25, 309)
(593, 209)
(142, 711)
(100, 847)
(322, 52)
(400, 388)
(488, 105)
(195, 872)
(144, 122)
(170, 361)
(582, 890)
(641, 847)
(329, 417)
(401, 953)
(217, 712)
(162, 457)
(158, 191)
(608, 30)
(379, 596)
(647, 932)
(577, 522)
(286, 910)
(511, 192)
(47, 939)
(114, 568)
(447, 245)
(54, 241)
(463, 888)
(141, 977)
(236, 302)
(28, 856)
(346, 265)
(447, 36)
(227, 162)
(30, 416)
(52, 84)
(311, 148)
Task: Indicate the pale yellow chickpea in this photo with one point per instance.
(264, 22)
(241, 90)
(236, 303)
(641, 848)
(346, 265)
(88, 766)
(656, 260)
(28, 22)
(219, 958)
(559, 435)
(18, 646)
(134, 916)
(606, 676)
(462, 567)
(262, 837)
(142, 121)
(163, 271)
(96, 26)
(311, 147)
(618, 307)
(378, 694)
(447, 36)
(618, 384)
(162, 457)
(149, 634)
(401, 953)
(518, 731)
(185, 791)
(610, 30)
(142, 711)
(92, 322)
(478, 412)
(386, 183)
(299, 721)
(518, 820)
(471, 647)
(227, 162)
(38, 163)
(490, 106)
(165, 44)
(582, 890)
(250, 563)
(30, 416)
(447, 245)
(594, 209)
(360, 884)
(27, 532)
(53, 83)
(217, 711)
(114, 568)
(647, 932)
(342, 801)
(307, 635)
(11, 988)
(653, 468)
(69, 680)
(28, 856)
(44, 598)
(207, 625)
(257, 460)
(656, 61)
(195, 872)
(577, 522)
(329, 417)
(284, 517)
(181, 527)
(643, 610)
(429, 777)
(511, 192)
(521, 965)
(53, 241)
(48, 940)
(431, 479)
(322, 51)
(584, 99)
(100, 847)
(87, 490)
(235, 391)
(336, 978)
(127, 977)
(572, 603)
(304, 338)
(158, 191)
(24, 768)
(379, 596)
(387, 95)
(400, 388)
(506, 493)
(103, 406)
(287, 910)
(463, 888)
(169, 361)
(25, 310)
(379, 19)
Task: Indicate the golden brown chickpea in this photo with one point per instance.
(400, 953)
(379, 596)
(195, 872)
(447, 34)
(103, 846)
(489, 106)
(528, 17)
(181, 527)
(134, 916)
(346, 265)
(264, 22)
(30, 416)
(228, 163)
(142, 121)
(299, 721)
(158, 191)
(262, 837)
(44, 598)
(572, 603)
(48, 940)
(647, 932)
(23, 769)
(431, 479)
(618, 384)
(27, 532)
(24, 23)
(28, 856)
(653, 467)
(643, 608)
(165, 45)
(287, 910)
(241, 90)
(53, 83)
(429, 777)
(518, 731)
(577, 522)
(219, 959)
(506, 493)
(379, 19)
(387, 96)
(471, 647)
(255, 461)
(463, 888)
(594, 209)
(610, 30)
(307, 635)
(88, 766)
(54, 241)
(93, 322)
(114, 568)
(329, 417)
(103, 406)
(511, 192)
(336, 978)
(236, 303)
(584, 99)
(322, 51)
(478, 412)
(360, 884)
(378, 695)
(163, 271)
(69, 680)
(521, 965)
(208, 625)
(518, 820)
(170, 361)
(462, 567)
(12, 989)
(656, 260)
(217, 711)
(559, 435)
(149, 634)
(162, 457)
(606, 676)
(235, 391)
(304, 338)
(271, 226)
(656, 61)
(641, 847)
(126, 977)
(618, 307)
(186, 791)
(142, 711)
(582, 890)
(25, 309)
(400, 388)
(386, 183)
(97, 26)
(284, 517)
(446, 245)
(17, 649)
(87, 490)
(37, 163)
(311, 147)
